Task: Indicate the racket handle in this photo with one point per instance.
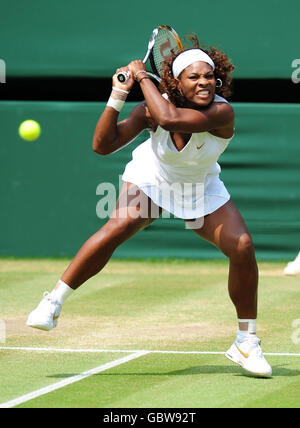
(123, 76)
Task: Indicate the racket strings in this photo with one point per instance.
(165, 45)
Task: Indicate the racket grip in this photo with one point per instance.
(123, 76)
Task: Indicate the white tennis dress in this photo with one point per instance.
(186, 183)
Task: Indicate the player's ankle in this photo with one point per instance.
(246, 327)
(61, 292)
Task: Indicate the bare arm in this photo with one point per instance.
(110, 135)
(184, 120)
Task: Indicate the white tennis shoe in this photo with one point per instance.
(246, 352)
(293, 268)
(45, 316)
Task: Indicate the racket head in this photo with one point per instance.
(164, 42)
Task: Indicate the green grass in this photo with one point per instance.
(151, 305)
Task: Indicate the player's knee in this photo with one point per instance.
(242, 249)
(122, 229)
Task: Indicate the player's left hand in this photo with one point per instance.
(136, 66)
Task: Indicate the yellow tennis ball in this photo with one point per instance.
(29, 130)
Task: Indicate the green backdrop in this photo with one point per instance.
(94, 37)
(48, 187)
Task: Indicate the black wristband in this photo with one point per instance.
(145, 77)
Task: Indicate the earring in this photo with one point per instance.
(219, 83)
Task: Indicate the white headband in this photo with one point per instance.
(187, 58)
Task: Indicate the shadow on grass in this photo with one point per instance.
(278, 370)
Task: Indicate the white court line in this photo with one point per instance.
(130, 351)
(132, 355)
(73, 379)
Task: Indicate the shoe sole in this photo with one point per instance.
(43, 326)
(240, 363)
(39, 327)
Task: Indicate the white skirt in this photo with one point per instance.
(184, 198)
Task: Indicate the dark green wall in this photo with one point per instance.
(94, 37)
(48, 187)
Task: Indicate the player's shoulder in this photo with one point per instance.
(223, 105)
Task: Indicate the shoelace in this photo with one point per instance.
(254, 345)
(47, 297)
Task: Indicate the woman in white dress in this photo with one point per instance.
(190, 125)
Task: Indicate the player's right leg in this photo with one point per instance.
(133, 212)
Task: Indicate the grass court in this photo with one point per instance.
(145, 334)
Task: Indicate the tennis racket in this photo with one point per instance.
(163, 42)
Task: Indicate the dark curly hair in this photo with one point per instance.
(223, 70)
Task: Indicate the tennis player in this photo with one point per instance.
(190, 125)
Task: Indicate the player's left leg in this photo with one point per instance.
(226, 229)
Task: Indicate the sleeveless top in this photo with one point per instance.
(185, 183)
